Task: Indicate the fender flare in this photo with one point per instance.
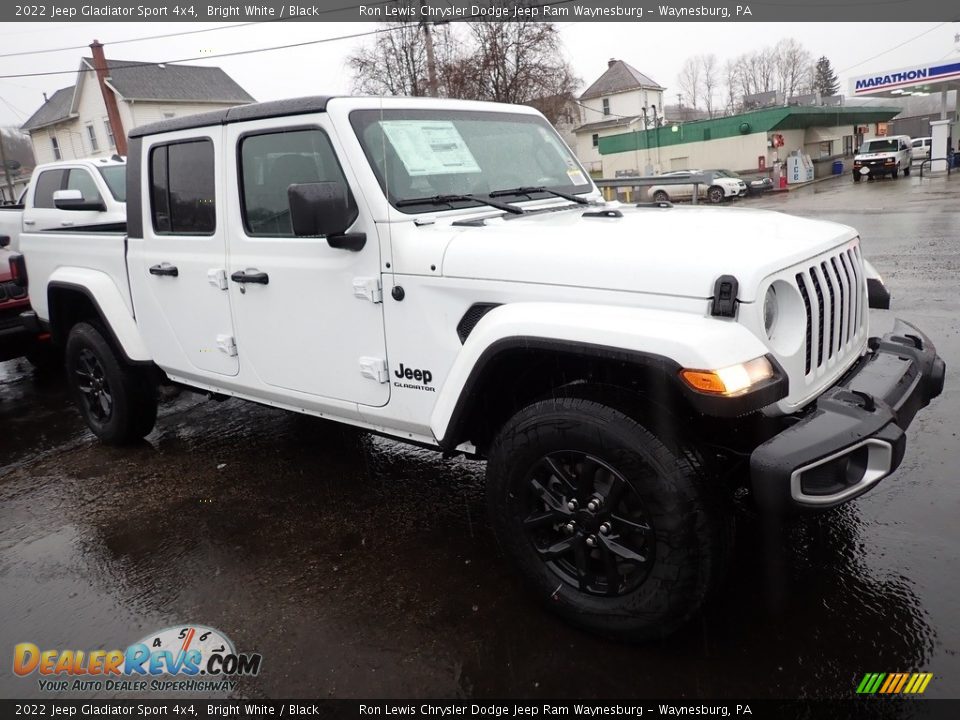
(663, 339)
(109, 303)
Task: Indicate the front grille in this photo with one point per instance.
(834, 310)
(11, 291)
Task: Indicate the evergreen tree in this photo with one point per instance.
(824, 78)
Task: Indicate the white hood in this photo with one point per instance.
(677, 251)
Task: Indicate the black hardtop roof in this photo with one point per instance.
(239, 113)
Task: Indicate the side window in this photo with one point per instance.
(272, 162)
(48, 182)
(182, 192)
(81, 180)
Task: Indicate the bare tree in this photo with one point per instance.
(514, 62)
(396, 63)
(689, 81)
(710, 80)
(501, 61)
(793, 64)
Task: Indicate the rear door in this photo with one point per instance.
(177, 274)
(314, 322)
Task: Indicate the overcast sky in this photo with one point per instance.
(657, 49)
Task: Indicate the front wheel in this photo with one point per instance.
(856, 176)
(716, 194)
(118, 400)
(613, 527)
(906, 171)
(895, 172)
(661, 196)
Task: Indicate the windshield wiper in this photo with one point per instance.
(530, 190)
(450, 199)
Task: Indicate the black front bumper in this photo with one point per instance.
(855, 435)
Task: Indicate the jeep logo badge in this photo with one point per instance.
(417, 375)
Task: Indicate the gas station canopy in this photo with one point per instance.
(921, 79)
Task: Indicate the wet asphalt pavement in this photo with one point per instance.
(359, 567)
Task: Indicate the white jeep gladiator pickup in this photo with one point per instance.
(446, 273)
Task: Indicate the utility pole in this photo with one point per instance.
(431, 58)
(6, 168)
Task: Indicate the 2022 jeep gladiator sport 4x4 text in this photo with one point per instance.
(445, 272)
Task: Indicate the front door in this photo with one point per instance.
(308, 317)
(177, 270)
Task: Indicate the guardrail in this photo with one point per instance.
(638, 183)
(948, 161)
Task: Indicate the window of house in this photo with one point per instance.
(110, 141)
(56, 149)
(595, 140)
(78, 179)
(270, 163)
(92, 137)
(48, 182)
(606, 106)
(182, 193)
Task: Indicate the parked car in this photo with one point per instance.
(69, 193)
(445, 272)
(883, 156)
(720, 185)
(921, 148)
(16, 338)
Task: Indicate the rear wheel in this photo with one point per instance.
(661, 196)
(118, 400)
(716, 194)
(613, 527)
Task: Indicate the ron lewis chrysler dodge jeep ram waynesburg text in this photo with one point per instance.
(446, 273)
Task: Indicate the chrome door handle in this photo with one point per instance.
(29, 222)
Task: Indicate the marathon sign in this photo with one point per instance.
(925, 74)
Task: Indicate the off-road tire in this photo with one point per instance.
(690, 524)
(131, 390)
(716, 195)
(661, 196)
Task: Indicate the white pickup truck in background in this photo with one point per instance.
(70, 195)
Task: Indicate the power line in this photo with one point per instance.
(896, 47)
(254, 51)
(181, 33)
(130, 40)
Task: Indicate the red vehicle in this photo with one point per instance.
(17, 338)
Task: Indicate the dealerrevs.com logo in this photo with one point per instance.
(181, 658)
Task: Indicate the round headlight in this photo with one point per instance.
(770, 310)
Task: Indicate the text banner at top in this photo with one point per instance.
(473, 10)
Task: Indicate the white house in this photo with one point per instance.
(620, 100)
(75, 122)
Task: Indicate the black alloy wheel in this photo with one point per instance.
(94, 386)
(588, 524)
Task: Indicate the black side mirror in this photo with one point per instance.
(4, 241)
(323, 209)
(74, 200)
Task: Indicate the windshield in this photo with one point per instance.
(116, 179)
(423, 154)
(878, 146)
(727, 174)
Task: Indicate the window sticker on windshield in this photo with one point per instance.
(429, 147)
(576, 177)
